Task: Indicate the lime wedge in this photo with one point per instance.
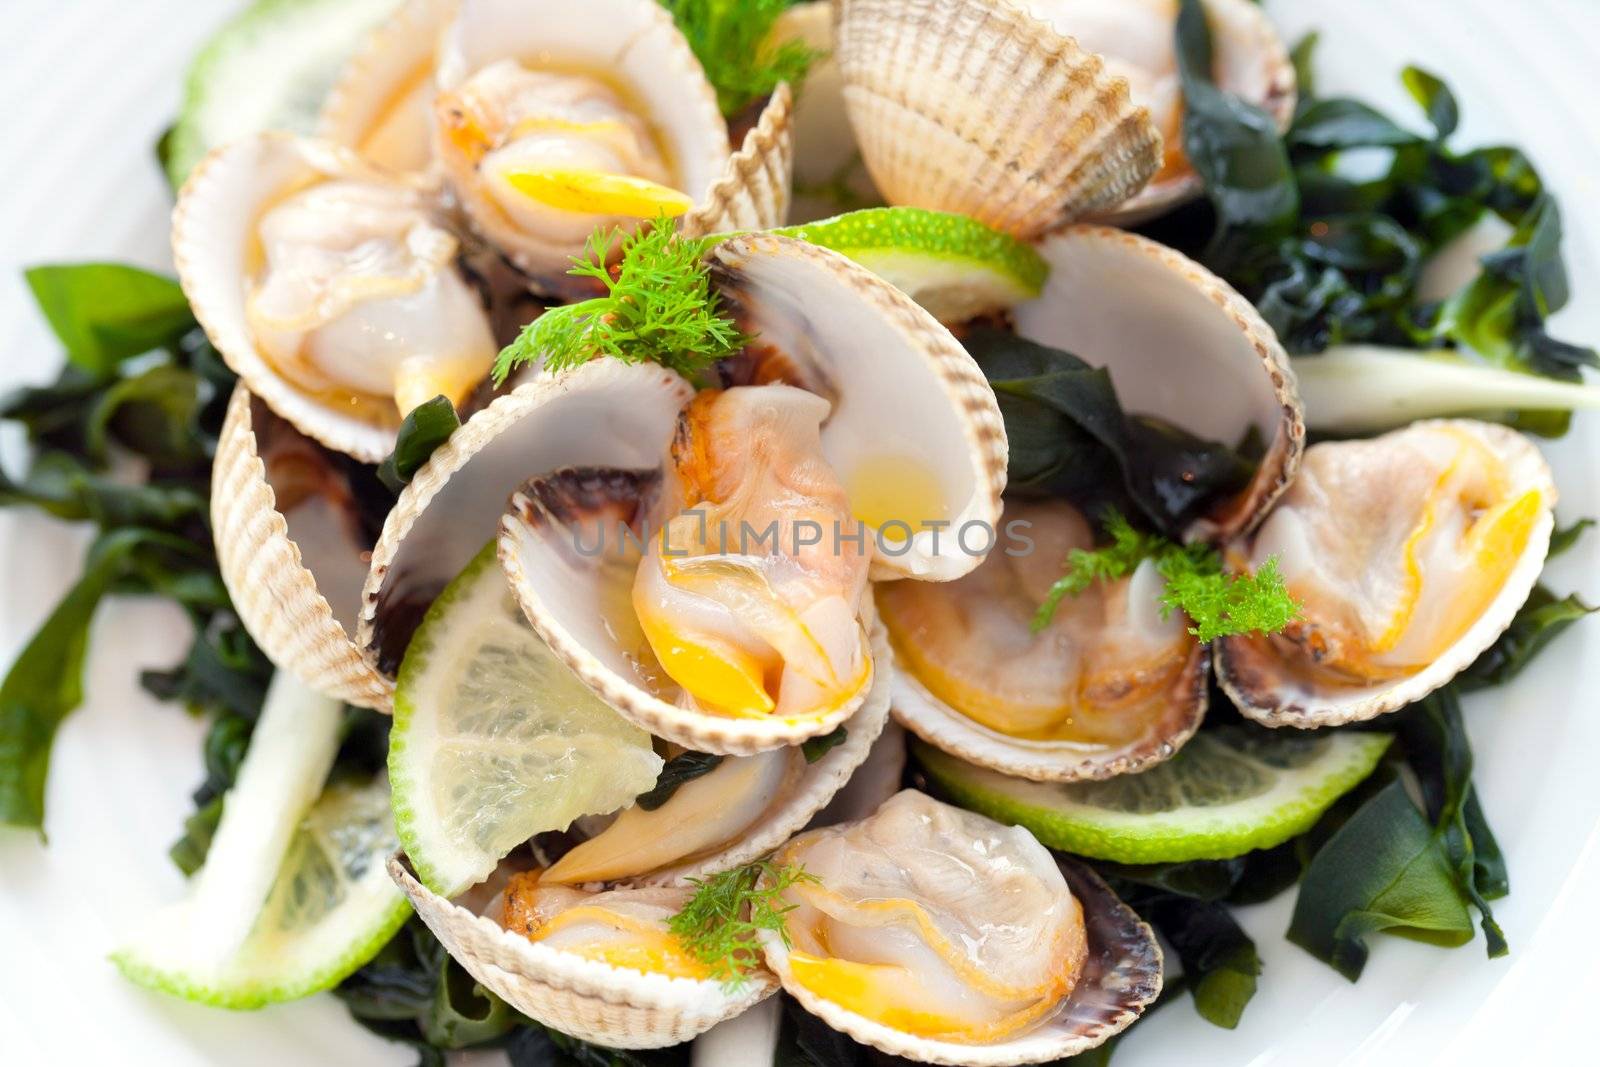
(954, 266)
(1226, 792)
(495, 740)
(293, 895)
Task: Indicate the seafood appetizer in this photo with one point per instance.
(1401, 590)
(940, 935)
(703, 521)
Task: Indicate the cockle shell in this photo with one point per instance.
(1252, 674)
(214, 239)
(973, 106)
(273, 579)
(1121, 977)
(593, 1001)
(1179, 344)
(381, 104)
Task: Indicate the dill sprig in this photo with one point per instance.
(731, 40)
(1217, 604)
(719, 924)
(658, 307)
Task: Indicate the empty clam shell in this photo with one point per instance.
(831, 326)
(1325, 670)
(594, 1001)
(754, 189)
(285, 574)
(973, 106)
(1181, 345)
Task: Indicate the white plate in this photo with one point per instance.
(85, 88)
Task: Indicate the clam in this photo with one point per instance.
(1136, 40)
(292, 551)
(1110, 686)
(1410, 553)
(330, 287)
(716, 597)
(1180, 344)
(602, 967)
(940, 935)
(975, 107)
(742, 809)
(553, 119)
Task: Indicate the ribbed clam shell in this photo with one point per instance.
(1121, 977)
(380, 76)
(754, 189)
(973, 106)
(213, 230)
(878, 778)
(604, 413)
(593, 1001)
(897, 377)
(1180, 344)
(273, 590)
(942, 726)
(817, 787)
(1251, 61)
(1253, 678)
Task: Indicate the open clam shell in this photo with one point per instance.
(831, 326)
(281, 571)
(594, 1001)
(634, 45)
(1121, 976)
(1109, 687)
(215, 241)
(1135, 37)
(819, 784)
(946, 728)
(1179, 344)
(1273, 680)
(381, 104)
(974, 106)
(604, 414)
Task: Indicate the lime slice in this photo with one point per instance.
(495, 740)
(954, 266)
(294, 895)
(1226, 792)
(268, 68)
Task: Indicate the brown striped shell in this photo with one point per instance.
(273, 578)
(975, 107)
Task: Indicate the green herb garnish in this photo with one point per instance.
(731, 40)
(1219, 604)
(660, 307)
(719, 924)
(424, 429)
(816, 747)
(676, 773)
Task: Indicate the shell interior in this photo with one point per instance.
(613, 1006)
(603, 414)
(829, 325)
(381, 104)
(1271, 685)
(1180, 344)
